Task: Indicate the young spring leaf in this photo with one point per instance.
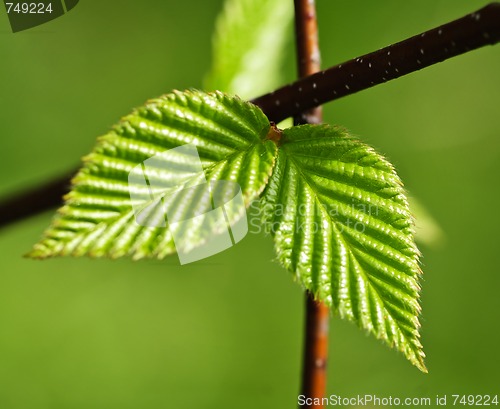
(243, 62)
(98, 218)
(341, 224)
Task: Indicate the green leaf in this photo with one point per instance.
(342, 226)
(427, 229)
(98, 218)
(248, 46)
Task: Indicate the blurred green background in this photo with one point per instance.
(226, 332)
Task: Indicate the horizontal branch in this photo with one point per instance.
(473, 31)
(458, 37)
(35, 200)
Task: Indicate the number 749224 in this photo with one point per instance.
(475, 400)
(29, 8)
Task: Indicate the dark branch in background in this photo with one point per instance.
(449, 40)
(43, 197)
(317, 314)
(458, 37)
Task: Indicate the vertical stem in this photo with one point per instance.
(314, 366)
(315, 356)
(308, 55)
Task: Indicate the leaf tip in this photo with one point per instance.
(38, 252)
(419, 363)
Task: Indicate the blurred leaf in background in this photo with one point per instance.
(249, 46)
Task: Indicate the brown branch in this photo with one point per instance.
(308, 55)
(458, 37)
(449, 40)
(315, 358)
(34, 201)
(315, 355)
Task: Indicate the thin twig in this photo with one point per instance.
(308, 54)
(34, 201)
(473, 31)
(315, 355)
(315, 358)
(458, 37)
